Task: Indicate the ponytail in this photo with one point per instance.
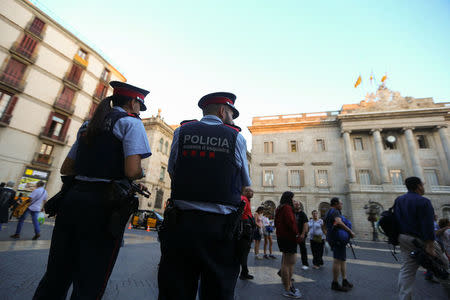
(95, 125)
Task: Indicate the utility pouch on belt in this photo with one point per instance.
(232, 228)
(170, 215)
(52, 205)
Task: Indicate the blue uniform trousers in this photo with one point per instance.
(82, 251)
(195, 249)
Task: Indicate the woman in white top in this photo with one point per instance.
(317, 232)
(267, 229)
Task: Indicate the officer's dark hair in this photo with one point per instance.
(412, 183)
(286, 198)
(95, 125)
(334, 201)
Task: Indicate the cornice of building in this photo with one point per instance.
(42, 14)
(275, 128)
(159, 123)
(410, 113)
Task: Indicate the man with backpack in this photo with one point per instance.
(339, 233)
(415, 216)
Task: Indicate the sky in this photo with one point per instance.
(278, 57)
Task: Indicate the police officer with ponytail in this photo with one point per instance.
(90, 220)
(199, 240)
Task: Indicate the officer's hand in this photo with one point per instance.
(143, 187)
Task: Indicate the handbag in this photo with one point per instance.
(21, 208)
(317, 238)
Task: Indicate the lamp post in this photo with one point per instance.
(372, 212)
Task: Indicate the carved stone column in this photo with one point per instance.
(380, 156)
(445, 144)
(351, 177)
(413, 154)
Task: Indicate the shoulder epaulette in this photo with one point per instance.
(188, 121)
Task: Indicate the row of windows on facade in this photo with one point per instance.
(296, 178)
(163, 147)
(358, 145)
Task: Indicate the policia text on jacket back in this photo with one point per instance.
(208, 168)
(92, 215)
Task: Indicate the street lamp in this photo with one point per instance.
(373, 211)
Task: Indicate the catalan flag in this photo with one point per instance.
(384, 78)
(358, 81)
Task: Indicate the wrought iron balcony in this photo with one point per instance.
(24, 54)
(47, 134)
(64, 106)
(73, 82)
(42, 159)
(12, 83)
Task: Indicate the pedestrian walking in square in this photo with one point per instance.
(316, 235)
(288, 237)
(302, 223)
(37, 200)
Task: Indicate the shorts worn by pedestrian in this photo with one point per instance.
(208, 168)
(91, 217)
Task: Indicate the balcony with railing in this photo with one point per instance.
(12, 83)
(64, 105)
(48, 134)
(24, 51)
(43, 160)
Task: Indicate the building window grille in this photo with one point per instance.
(322, 178)
(268, 178)
(320, 145)
(81, 53)
(295, 178)
(422, 141)
(37, 26)
(161, 144)
(162, 173)
(396, 177)
(431, 177)
(13, 72)
(105, 75)
(364, 177)
(159, 198)
(75, 74)
(268, 147)
(100, 91)
(293, 146)
(358, 144)
(27, 46)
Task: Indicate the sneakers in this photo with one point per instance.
(293, 293)
(246, 276)
(257, 256)
(305, 267)
(272, 256)
(266, 256)
(36, 237)
(337, 287)
(346, 284)
(15, 236)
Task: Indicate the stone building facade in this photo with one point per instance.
(157, 178)
(361, 154)
(50, 82)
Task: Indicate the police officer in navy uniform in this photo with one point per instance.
(208, 169)
(108, 148)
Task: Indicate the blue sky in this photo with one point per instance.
(278, 57)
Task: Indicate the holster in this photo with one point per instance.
(232, 228)
(121, 202)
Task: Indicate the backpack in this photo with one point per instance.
(389, 226)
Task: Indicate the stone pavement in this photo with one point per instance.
(374, 272)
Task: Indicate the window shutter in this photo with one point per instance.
(302, 178)
(65, 128)
(11, 105)
(49, 122)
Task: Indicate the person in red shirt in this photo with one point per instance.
(247, 228)
(288, 237)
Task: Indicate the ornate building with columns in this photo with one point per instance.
(361, 154)
(157, 179)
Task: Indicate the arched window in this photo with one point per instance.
(161, 143)
(323, 209)
(166, 147)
